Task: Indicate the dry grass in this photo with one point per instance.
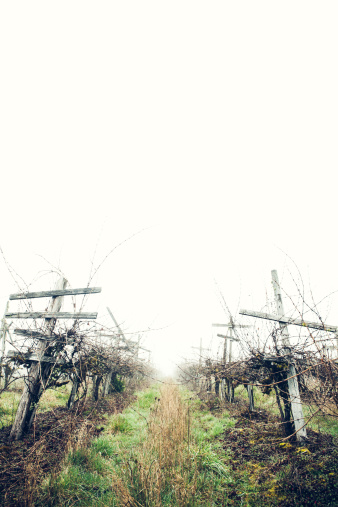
(163, 471)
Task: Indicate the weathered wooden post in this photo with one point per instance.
(108, 380)
(73, 393)
(296, 404)
(230, 389)
(251, 398)
(3, 332)
(291, 397)
(96, 384)
(217, 382)
(224, 384)
(223, 391)
(209, 382)
(37, 375)
(201, 348)
(41, 361)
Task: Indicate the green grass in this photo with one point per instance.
(207, 427)
(322, 422)
(86, 478)
(209, 470)
(9, 401)
(85, 482)
(8, 404)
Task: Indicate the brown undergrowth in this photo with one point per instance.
(24, 464)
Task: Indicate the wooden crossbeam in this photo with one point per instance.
(31, 334)
(55, 293)
(40, 336)
(13, 354)
(116, 323)
(142, 348)
(288, 320)
(114, 336)
(228, 337)
(51, 315)
(230, 325)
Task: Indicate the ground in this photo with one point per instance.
(274, 471)
(166, 447)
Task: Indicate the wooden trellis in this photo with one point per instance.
(201, 380)
(228, 390)
(129, 345)
(42, 361)
(296, 404)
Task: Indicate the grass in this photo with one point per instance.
(9, 401)
(162, 451)
(86, 477)
(169, 449)
(44, 451)
(322, 422)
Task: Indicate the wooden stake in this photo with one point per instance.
(231, 325)
(3, 332)
(251, 398)
(73, 393)
(296, 404)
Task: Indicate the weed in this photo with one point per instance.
(103, 445)
(120, 424)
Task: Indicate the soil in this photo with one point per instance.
(279, 472)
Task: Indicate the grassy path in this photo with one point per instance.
(167, 449)
(162, 451)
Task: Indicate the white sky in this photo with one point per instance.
(210, 125)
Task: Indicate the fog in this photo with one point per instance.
(190, 145)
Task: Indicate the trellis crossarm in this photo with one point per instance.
(289, 320)
(228, 337)
(230, 325)
(40, 336)
(13, 354)
(55, 293)
(51, 315)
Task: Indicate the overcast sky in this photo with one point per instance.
(205, 130)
